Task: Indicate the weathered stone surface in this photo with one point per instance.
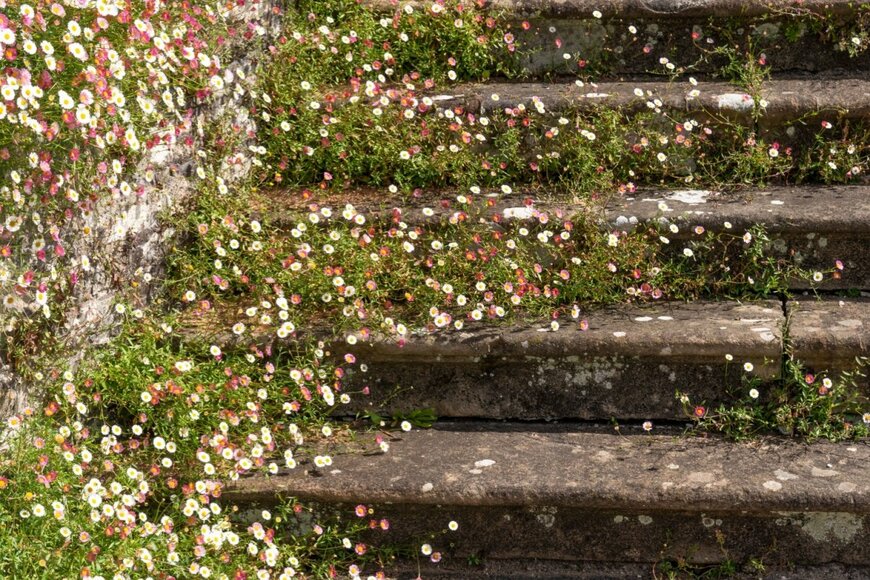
(829, 334)
(535, 465)
(484, 98)
(126, 244)
(129, 238)
(789, 99)
(521, 569)
(815, 226)
(580, 534)
(13, 394)
(628, 364)
(819, 209)
(532, 492)
(786, 99)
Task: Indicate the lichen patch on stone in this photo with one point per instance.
(783, 475)
(690, 196)
(832, 526)
(816, 472)
(735, 101)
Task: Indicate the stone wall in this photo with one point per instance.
(129, 235)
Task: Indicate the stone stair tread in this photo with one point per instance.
(554, 493)
(786, 98)
(484, 465)
(702, 330)
(637, 328)
(809, 208)
(646, 8)
(526, 371)
(598, 373)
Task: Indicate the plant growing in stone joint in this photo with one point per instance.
(744, 66)
(366, 114)
(682, 567)
(405, 137)
(851, 36)
(799, 404)
(838, 154)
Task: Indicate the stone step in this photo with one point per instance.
(813, 226)
(624, 362)
(633, 36)
(787, 100)
(538, 493)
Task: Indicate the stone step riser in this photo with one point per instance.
(609, 49)
(571, 381)
(527, 569)
(576, 534)
(830, 334)
(628, 364)
(631, 36)
(605, 48)
(595, 388)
